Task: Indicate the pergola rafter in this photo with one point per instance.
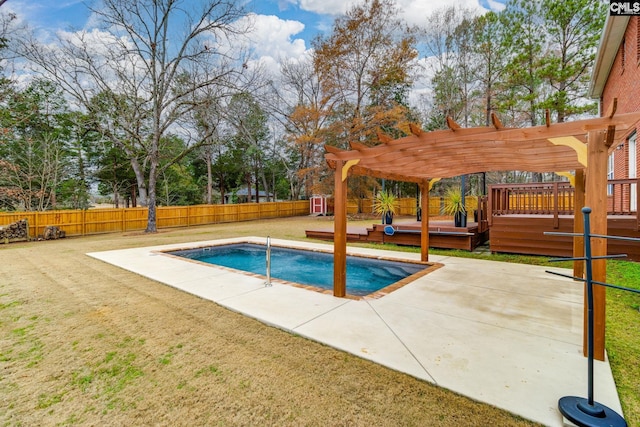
(581, 146)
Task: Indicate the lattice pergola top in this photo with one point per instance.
(423, 155)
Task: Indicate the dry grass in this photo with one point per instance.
(86, 343)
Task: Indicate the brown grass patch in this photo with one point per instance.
(86, 343)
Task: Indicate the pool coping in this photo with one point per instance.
(373, 295)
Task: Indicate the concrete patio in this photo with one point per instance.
(509, 335)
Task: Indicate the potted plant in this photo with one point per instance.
(384, 204)
(454, 206)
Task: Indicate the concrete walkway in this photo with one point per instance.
(506, 334)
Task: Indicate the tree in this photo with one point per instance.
(573, 28)
(151, 52)
(448, 41)
(365, 66)
(303, 112)
(114, 174)
(489, 47)
(251, 135)
(207, 118)
(35, 148)
(525, 37)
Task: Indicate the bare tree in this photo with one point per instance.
(447, 41)
(146, 62)
(298, 104)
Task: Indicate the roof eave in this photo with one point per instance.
(612, 34)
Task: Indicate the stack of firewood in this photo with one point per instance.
(18, 230)
(52, 232)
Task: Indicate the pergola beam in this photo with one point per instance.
(464, 151)
(451, 124)
(415, 129)
(383, 137)
(612, 108)
(496, 121)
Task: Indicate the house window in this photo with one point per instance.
(633, 172)
(610, 174)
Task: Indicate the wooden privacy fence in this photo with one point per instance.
(96, 221)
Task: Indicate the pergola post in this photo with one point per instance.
(424, 221)
(596, 199)
(340, 231)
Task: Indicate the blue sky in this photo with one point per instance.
(315, 15)
(283, 29)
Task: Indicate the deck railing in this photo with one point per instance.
(557, 198)
(622, 196)
(545, 198)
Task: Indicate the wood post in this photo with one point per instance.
(596, 199)
(424, 223)
(340, 232)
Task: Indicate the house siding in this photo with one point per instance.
(623, 84)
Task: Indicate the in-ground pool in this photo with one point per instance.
(364, 275)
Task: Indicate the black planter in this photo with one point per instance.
(387, 218)
(460, 219)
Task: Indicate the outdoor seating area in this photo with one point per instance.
(406, 232)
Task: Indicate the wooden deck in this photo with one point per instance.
(524, 234)
(442, 234)
(520, 214)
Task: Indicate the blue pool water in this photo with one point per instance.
(364, 275)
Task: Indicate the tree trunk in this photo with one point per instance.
(151, 216)
(142, 186)
(209, 180)
(265, 184)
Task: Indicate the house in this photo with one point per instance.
(241, 196)
(615, 83)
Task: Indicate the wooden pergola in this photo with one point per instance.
(582, 146)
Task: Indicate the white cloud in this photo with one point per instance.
(417, 12)
(495, 5)
(274, 37)
(327, 7)
(413, 11)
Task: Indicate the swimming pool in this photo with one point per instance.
(364, 275)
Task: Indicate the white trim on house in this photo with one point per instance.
(612, 34)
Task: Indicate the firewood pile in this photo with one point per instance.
(52, 232)
(18, 230)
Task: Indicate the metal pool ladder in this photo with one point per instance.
(268, 282)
